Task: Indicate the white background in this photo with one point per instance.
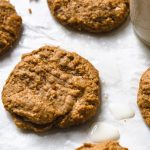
(120, 58)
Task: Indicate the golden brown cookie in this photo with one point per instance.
(109, 145)
(90, 15)
(51, 87)
(144, 96)
(10, 25)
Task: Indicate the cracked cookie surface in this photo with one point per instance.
(144, 96)
(10, 26)
(51, 87)
(90, 15)
(109, 145)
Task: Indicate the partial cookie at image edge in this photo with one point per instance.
(10, 26)
(109, 145)
(143, 100)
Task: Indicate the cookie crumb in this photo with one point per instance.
(30, 11)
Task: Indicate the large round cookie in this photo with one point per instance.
(144, 96)
(108, 145)
(90, 15)
(51, 87)
(10, 25)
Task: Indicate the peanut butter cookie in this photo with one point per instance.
(51, 87)
(109, 145)
(144, 96)
(90, 15)
(10, 25)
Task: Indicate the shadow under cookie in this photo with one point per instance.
(27, 125)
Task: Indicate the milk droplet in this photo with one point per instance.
(121, 111)
(102, 131)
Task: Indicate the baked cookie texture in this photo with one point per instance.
(108, 145)
(144, 96)
(10, 25)
(51, 87)
(90, 15)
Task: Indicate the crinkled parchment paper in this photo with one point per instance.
(120, 58)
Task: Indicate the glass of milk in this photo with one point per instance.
(140, 17)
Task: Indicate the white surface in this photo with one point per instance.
(121, 111)
(102, 131)
(119, 56)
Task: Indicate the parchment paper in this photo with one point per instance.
(120, 58)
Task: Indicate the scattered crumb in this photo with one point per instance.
(125, 120)
(30, 11)
(106, 96)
